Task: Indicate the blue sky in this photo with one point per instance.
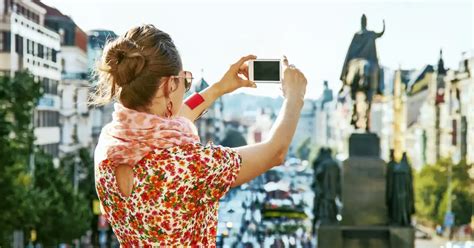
(315, 35)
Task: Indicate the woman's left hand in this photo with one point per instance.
(236, 77)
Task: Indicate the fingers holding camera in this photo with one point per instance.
(294, 82)
(243, 70)
(285, 61)
(241, 63)
(236, 77)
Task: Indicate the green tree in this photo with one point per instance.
(64, 214)
(18, 98)
(46, 200)
(431, 185)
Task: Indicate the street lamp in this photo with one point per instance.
(449, 217)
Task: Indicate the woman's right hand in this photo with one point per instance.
(260, 157)
(294, 82)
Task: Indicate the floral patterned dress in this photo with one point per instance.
(175, 196)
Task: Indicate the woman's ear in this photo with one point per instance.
(169, 86)
(172, 84)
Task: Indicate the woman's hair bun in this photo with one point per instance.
(132, 66)
(124, 61)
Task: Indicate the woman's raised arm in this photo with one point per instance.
(236, 77)
(258, 158)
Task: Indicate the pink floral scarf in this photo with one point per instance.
(132, 134)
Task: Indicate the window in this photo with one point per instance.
(463, 137)
(2, 37)
(52, 149)
(49, 86)
(63, 65)
(40, 51)
(28, 46)
(33, 46)
(62, 34)
(18, 44)
(54, 55)
(6, 41)
(8, 5)
(54, 87)
(45, 85)
(47, 118)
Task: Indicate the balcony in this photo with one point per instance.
(68, 112)
(75, 76)
(49, 102)
(69, 148)
(47, 135)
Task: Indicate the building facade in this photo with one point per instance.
(27, 44)
(460, 91)
(75, 120)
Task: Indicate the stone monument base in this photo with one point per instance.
(364, 215)
(366, 237)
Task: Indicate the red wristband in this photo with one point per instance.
(194, 101)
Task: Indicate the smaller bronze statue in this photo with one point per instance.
(327, 188)
(400, 197)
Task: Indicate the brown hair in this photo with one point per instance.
(133, 64)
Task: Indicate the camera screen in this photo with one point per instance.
(266, 70)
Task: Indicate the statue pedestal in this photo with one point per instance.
(363, 183)
(363, 192)
(366, 237)
(364, 214)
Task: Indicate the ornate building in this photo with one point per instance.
(438, 121)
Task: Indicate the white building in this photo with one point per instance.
(429, 124)
(26, 44)
(460, 88)
(76, 125)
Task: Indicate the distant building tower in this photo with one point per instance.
(26, 44)
(439, 102)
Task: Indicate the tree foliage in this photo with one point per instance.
(43, 200)
(18, 98)
(64, 214)
(431, 192)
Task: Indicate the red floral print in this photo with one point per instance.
(175, 196)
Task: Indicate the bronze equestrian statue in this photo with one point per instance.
(360, 74)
